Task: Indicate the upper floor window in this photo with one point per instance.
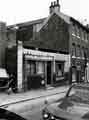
(73, 49)
(78, 51)
(73, 29)
(82, 51)
(78, 32)
(82, 35)
(86, 52)
(86, 37)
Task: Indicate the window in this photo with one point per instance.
(30, 67)
(86, 52)
(73, 50)
(82, 35)
(59, 69)
(33, 68)
(40, 68)
(78, 52)
(82, 51)
(73, 29)
(86, 38)
(78, 31)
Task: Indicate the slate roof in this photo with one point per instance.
(43, 21)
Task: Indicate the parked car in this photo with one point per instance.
(4, 77)
(74, 106)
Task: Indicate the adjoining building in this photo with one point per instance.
(50, 51)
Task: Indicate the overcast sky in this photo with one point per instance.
(16, 11)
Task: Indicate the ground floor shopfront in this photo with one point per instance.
(43, 69)
(78, 71)
(40, 69)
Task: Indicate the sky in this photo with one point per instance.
(17, 11)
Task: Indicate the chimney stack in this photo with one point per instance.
(57, 2)
(55, 6)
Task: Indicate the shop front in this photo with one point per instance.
(43, 69)
(37, 70)
(59, 72)
(78, 70)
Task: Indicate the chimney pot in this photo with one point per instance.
(54, 3)
(57, 2)
(51, 4)
(55, 6)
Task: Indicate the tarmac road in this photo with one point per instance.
(31, 109)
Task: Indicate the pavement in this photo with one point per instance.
(13, 98)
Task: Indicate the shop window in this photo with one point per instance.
(33, 68)
(30, 67)
(59, 69)
(40, 68)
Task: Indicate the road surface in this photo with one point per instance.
(31, 109)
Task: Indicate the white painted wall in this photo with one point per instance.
(20, 65)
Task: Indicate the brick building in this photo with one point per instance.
(49, 51)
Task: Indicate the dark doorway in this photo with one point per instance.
(48, 73)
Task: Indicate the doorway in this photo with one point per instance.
(49, 73)
(73, 74)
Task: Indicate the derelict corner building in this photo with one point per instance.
(46, 52)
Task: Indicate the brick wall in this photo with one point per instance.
(3, 43)
(54, 35)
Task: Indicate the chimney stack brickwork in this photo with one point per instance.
(55, 6)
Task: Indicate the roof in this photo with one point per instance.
(66, 18)
(80, 24)
(31, 22)
(38, 21)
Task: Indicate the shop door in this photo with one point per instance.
(48, 73)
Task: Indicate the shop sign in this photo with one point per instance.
(38, 57)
